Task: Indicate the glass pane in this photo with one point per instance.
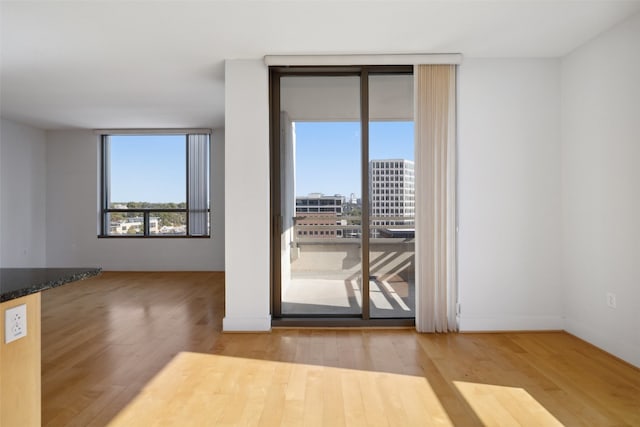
(146, 171)
(321, 203)
(168, 223)
(391, 195)
(127, 224)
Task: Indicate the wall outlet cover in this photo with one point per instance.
(611, 300)
(15, 323)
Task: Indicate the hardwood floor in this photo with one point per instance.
(106, 338)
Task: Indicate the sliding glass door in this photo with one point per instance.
(342, 193)
(391, 196)
(320, 178)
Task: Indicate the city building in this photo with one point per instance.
(319, 203)
(392, 193)
(134, 225)
(319, 216)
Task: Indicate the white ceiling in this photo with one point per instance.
(123, 64)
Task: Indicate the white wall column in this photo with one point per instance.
(247, 196)
(22, 195)
(508, 195)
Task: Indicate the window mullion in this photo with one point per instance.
(146, 223)
(106, 177)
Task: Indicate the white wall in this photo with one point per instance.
(72, 193)
(542, 184)
(247, 196)
(22, 195)
(601, 189)
(509, 197)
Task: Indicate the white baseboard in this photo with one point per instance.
(511, 323)
(246, 324)
(608, 341)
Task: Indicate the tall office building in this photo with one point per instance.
(392, 193)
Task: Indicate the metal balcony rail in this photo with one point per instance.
(146, 214)
(342, 229)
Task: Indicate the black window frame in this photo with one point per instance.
(105, 210)
(364, 71)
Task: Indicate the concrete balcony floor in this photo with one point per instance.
(331, 293)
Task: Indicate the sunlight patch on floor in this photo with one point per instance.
(392, 292)
(378, 298)
(500, 405)
(205, 389)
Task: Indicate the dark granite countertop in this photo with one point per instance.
(19, 282)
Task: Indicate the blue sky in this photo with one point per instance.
(328, 154)
(148, 168)
(152, 168)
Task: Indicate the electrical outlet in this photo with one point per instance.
(15, 323)
(611, 300)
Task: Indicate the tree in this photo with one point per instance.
(354, 216)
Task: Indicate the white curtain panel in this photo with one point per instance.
(435, 132)
(198, 190)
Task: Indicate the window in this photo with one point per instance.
(155, 185)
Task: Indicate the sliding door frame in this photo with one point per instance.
(363, 72)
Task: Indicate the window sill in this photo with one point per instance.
(153, 237)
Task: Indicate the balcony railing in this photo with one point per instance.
(345, 228)
(391, 247)
(147, 222)
(325, 273)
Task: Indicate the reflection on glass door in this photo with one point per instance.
(321, 188)
(391, 197)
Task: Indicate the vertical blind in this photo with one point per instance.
(435, 117)
(198, 185)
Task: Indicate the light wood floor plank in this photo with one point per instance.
(155, 339)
